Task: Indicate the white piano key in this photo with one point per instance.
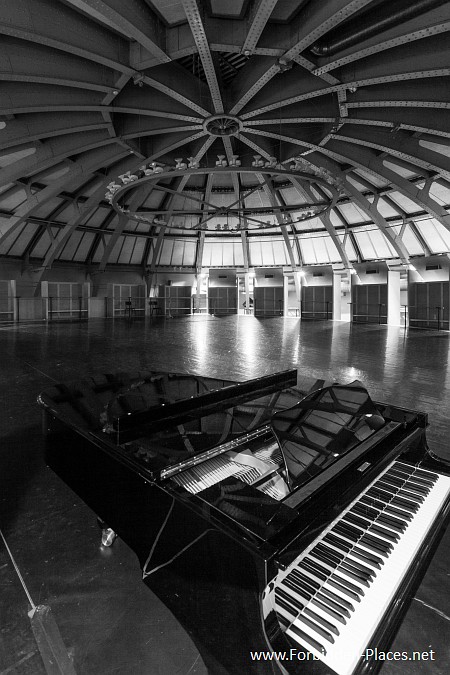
(343, 656)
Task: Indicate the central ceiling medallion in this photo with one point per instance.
(222, 125)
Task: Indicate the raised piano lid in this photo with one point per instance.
(141, 415)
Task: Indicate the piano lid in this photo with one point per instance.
(323, 427)
(156, 420)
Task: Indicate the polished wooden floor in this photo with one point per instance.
(110, 622)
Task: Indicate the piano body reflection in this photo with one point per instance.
(264, 519)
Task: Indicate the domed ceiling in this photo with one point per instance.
(141, 132)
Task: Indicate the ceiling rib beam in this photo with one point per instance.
(60, 45)
(36, 200)
(169, 91)
(259, 14)
(55, 81)
(394, 152)
(271, 194)
(418, 195)
(307, 29)
(198, 31)
(31, 137)
(306, 191)
(362, 82)
(136, 200)
(424, 26)
(28, 110)
(234, 177)
(202, 234)
(373, 213)
(143, 26)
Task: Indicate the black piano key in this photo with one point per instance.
(300, 607)
(302, 589)
(418, 472)
(422, 481)
(383, 532)
(413, 496)
(335, 606)
(392, 480)
(405, 482)
(343, 572)
(379, 517)
(339, 577)
(316, 628)
(408, 476)
(319, 619)
(406, 504)
(287, 607)
(337, 598)
(419, 482)
(334, 580)
(365, 511)
(397, 512)
(353, 533)
(389, 497)
(347, 584)
(410, 486)
(402, 493)
(391, 522)
(355, 551)
(309, 640)
(323, 558)
(338, 542)
(306, 583)
(356, 520)
(382, 495)
(335, 556)
(377, 531)
(343, 558)
(320, 573)
(303, 592)
(385, 507)
(327, 609)
(378, 540)
(297, 606)
(368, 558)
(363, 569)
(353, 573)
(297, 574)
(376, 545)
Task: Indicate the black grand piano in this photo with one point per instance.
(266, 520)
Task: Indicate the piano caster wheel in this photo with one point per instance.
(108, 537)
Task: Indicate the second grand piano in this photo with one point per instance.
(286, 533)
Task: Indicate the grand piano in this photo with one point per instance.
(266, 520)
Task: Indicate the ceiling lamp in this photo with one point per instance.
(199, 214)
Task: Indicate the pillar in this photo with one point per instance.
(393, 298)
(337, 296)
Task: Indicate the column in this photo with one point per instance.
(337, 296)
(393, 299)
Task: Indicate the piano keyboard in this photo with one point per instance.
(332, 598)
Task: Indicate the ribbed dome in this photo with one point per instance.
(349, 91)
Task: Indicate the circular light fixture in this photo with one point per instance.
(195, 213)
